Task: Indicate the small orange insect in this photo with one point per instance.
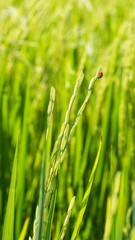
(100, 74)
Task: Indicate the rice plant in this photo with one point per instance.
(58, 180)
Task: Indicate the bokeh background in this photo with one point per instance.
(47, 43)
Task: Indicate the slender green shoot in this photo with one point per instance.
(86, 196)
(8, 228)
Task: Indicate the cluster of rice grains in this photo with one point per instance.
(56, 159)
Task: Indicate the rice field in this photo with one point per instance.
(67, 133)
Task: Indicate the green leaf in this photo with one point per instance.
(41, 199)
(50, 216)
(22, 162)
(85, 198)
(8, 228)
(24, 229)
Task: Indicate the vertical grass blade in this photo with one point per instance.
(8, 228)
(86, 196)
(22, 164)
(24, 230)
(2, 153)
(41, 199)
(50, 216)
(113, 207)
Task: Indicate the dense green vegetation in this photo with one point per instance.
(50, 43)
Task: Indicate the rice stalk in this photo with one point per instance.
(61, 145)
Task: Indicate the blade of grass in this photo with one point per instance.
(113, 206)
(50, 216)
(86, 196)
(24, 230)
(2, 154)
(22, 162)
(8, 228)
(41, 199)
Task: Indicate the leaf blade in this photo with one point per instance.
(86, 196)
(8, 228)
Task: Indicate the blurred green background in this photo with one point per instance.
(47, 43)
